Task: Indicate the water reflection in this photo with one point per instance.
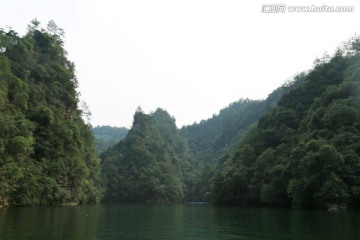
(185, 222)
(48, 223)
(265, 223)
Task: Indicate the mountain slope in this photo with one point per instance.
(145, 166)
(305, 153)
(47, 152)
(106, 136)
(213, 141)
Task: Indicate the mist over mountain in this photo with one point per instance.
(106, 136)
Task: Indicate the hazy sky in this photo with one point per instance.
(191, 58)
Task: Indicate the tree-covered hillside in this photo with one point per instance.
(304, 153)
(212, 141)
(47, 152)
(106, 136)
(300, 147)
(195, 149)
(212, 138)
(149, 164)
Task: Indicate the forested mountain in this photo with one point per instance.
(47, 152)
(214, 137)
(300, 147)
(213, 141)
(305, 153)
(209, 140)
(149, 165)
(106, 136)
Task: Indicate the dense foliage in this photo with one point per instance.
(304, 153)
(191, 167)
(47, 152)
(300, 147)
(212, 141)
(146, 165)
(107, 136)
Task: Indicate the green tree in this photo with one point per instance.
(47, 152)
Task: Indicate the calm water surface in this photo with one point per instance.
(158, 222)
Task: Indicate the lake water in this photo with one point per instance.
(185, 222)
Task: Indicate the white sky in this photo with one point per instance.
(191, 58)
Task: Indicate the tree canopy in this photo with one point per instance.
(305, 152)
(145, 166)
(299, 147)
(47, 152)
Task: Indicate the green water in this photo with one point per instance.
(168, 222)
